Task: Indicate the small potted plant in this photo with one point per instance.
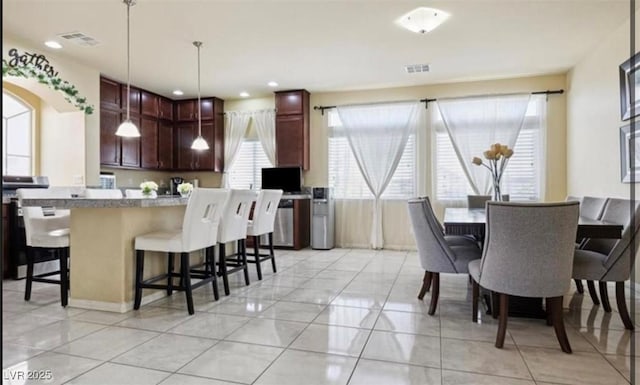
(149, 189)
(185, 189)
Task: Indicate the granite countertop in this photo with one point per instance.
(70, 203)
(296, 196)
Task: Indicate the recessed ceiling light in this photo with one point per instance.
(244, 94)
(423, 19)
(53, 44)
(272, 84)
(178, 92)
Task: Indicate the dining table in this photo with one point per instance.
(466, 221)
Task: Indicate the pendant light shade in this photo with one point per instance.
(127, 128)
(199, 144)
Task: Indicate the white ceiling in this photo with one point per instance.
(319, 45)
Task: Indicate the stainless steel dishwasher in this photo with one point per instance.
(283, 226)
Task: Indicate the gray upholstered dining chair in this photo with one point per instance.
(478, 201)
(535, 261)
(610, 260)
(438, 253)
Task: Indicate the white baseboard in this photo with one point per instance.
(115, 307)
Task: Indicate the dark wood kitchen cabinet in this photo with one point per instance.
(131, 147)
(185, 110)
(134, 101)
(109, 94)
(109, 142)
(165, 145)
(149, 143)
(165, 107)
(292, 129)
(189, 159)
(149, 104)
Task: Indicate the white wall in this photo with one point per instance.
(62, 152)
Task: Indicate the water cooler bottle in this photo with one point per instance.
(322, 218)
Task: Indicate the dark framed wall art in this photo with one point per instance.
(630, 80)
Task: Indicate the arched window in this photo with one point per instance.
(17, 118)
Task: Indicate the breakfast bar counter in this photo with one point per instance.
(102, 234)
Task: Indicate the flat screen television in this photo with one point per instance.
(287, 179)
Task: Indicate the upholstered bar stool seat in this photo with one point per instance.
(264, 216)
(199, 231)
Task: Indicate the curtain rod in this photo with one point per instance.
(427, 101)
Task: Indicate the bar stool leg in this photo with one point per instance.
(170, 261)
(186, 279)
(139, 271)
(29, 281)
(272, 253)
(64, 289)
(222, 267)
(243, 247)
(211, 270)
(256, 253)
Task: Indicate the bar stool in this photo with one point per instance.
(264, 216)
(199, 231)
(97, 193)
(233, 227)
(46, 234)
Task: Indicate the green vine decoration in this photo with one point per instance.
(30, 71)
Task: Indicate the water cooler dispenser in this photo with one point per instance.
(322, 218)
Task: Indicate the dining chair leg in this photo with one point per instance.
(604, 296)
(622, 306)
(223, 268)
(554, 304)
(272, 253)
(426, 283)
(579, 287)
(243, 245)
(256, 253)
(64, 288)
(502, 325)
(435, 279)
(139, 270)
(495, 305)
(210, 268)
(29, 280)
(186, 279)
(170, 274)
(592, 292)
(474, 303)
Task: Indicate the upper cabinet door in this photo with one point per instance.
(206, 109)
(290, 144)
(109, 94)
(149, 104)
(149, 143)
(165, 145)
(109, 142)
(131, 147)
(165, 109)
(134, 104)
(186, 110)
(292, 102)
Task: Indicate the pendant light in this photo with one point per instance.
(199, 143)
(127, 128)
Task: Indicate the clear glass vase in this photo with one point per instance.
(497, 193)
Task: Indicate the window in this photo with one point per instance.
(16, 136)
(523, 177)
(246, 171)
(345, 177)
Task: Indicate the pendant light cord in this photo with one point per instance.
(199, 103)
(128, 58)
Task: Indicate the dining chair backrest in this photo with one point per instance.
(133, 193)
(433, 251)
(592, 207)
(618, 251)
(264, 212)
(478, 201)
(31, 214)
(97, 193)
(233, 224)
(202, 217)
(523, 254)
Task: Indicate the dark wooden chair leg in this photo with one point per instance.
(426, 282)
(435, 279)
(64, 288)
(223, 268)
(170, 262)
(504, 316)
(272, 253)
(622, 306)
(243, 245)
(210, 268)
(579, 286)
(186, 279)
(256, 253)
(29, 280)
(604, 296)
(592, 292)
(495, 305)
(139, 275)
(554, 305)
(475, 297)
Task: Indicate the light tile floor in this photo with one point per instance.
(327, 317)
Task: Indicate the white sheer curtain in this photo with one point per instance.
(377, 135)
(474, 123)
(264, 121)
(235, 128)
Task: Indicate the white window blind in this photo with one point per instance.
(16, 136)
(246, 172)
(523, 177)
(345, 177)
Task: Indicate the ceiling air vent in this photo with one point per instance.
(415, 68)
(79, 38)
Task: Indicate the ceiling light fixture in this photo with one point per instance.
(272, 84)
(244, 94)
(53, 44)
(127, 128)
(199, 143)
(423, 19)
(178, 92)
